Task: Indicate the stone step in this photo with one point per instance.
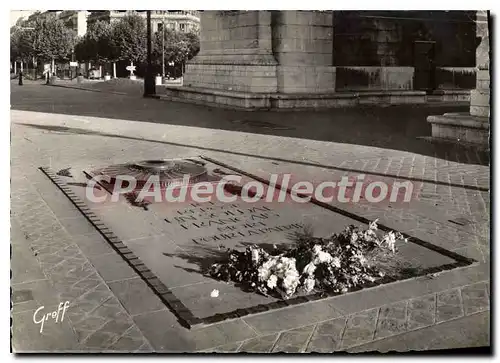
(460, 127)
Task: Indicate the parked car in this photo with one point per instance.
(94, 73)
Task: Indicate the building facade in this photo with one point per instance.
(76, 20)
(180, 20)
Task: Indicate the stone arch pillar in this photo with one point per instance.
(303, 46)
(480, 97)
(235, 53)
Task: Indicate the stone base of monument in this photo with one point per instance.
(449, 95)
(277, 101)
(461, 127)
(171, 244)
(133, 78)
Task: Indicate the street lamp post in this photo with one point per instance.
(163, 45)
(149, 82)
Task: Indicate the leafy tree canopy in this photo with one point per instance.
(179, 46)
(52, 39)
(128, 39)
(95, 45)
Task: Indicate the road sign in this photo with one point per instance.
(131, 68)
(73, 64)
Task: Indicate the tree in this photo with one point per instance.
(52, 41)
(95, 45)
(193, 40)
(179, 46)
(21, 45)
(128, 39)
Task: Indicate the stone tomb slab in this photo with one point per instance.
(178, 241)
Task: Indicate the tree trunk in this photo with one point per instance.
(114, 69)
(15, 67)
(53, 67)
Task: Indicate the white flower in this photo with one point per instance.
(390, 241)
(309, 269)
(316, 249)
(361, 258)
(373, 225)
(354, 237)
(214, 293)
(324, 257)
(255, 255)
(309, 284)
(271, 283)
(265, 269)
(336, 262)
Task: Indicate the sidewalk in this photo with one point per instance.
(112, 308)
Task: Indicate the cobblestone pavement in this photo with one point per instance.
(58, 256)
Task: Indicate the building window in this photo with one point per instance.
(182, 27)
(160, 27)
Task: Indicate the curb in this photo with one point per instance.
(89, 89)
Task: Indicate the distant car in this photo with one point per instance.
(94, 74)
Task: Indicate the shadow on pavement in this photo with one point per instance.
(392, 127)
(64, 129)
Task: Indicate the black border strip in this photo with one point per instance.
(185, 316)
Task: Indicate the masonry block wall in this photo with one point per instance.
(302, 43)
(480, 97)
(367, 52)
(235, 53)
(375, 50)
(315, 52)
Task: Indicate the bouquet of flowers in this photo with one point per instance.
(337, 263)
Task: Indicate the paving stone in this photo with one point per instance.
(77, 225)
(359, 328)
(60, 204)
(113, 329)
(421, 312)
(293, 341)
(289, 318)
(129, 345)
(136, 296)
(85, 327)
(175, 338)
(391, 320)
(227, 348)
(111, 309)
(448, 305)
(55, 337)
(327, 336)
(24, 266)
(92, 244)
(467, 332)
(112, 267)
(145, 348)
(31, 295)
(262, 344)
(88, 302)
(475, 298)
